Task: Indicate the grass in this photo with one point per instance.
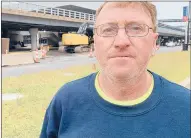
(23, 118)
(174, 66)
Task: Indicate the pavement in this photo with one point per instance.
(27, 57)
(50, 63)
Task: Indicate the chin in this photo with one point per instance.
(122, 72)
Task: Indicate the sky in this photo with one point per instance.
(165, 10)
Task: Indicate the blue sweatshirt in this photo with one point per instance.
(77, 111)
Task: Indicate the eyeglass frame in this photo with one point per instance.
(95, 28)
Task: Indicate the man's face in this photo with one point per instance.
(121, 55)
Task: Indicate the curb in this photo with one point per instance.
(16, 65)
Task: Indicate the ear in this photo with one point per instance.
(156, 36)
(156, 44)
(155, 49)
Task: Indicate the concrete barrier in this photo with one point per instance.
(17, 59)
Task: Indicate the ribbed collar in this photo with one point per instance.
(135, 110)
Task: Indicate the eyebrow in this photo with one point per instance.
(123, 22)
(134, 22)
(114, 23)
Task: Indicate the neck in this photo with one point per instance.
(122, 89)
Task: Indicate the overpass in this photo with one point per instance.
(23, 16)
(173, 20)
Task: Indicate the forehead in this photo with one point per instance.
(123, 15)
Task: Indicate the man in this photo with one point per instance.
(124, 99)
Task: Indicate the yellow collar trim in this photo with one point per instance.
(124, 103)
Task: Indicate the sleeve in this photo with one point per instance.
(50, 126)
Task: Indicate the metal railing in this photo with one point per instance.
(170, 27)
(23, 6)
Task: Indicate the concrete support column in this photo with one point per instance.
(38, 36)
(34, 43)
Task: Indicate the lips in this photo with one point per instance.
(121, 56)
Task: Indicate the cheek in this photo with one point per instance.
(102, 46)
(143, 46)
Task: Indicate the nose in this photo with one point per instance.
(121, 39)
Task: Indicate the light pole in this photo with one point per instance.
(189, 21)
(187, 31)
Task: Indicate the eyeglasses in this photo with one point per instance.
(132, 30)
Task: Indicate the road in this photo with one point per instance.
(48, 64)
(169, 49)
(59, 62)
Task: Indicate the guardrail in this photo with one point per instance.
(170, 27)
(23, 6)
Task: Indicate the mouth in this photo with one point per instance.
(120, 57)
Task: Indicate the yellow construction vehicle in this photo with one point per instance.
(77, 42)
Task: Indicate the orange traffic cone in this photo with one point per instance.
(36, 57)
(43, 53)
(91, 53)
(94, 67)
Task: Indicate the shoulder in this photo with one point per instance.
(173, 92)
(78, 84)
(69, 97)
(74, 88)
(176, 104)
(176, 90)
(69, 92)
